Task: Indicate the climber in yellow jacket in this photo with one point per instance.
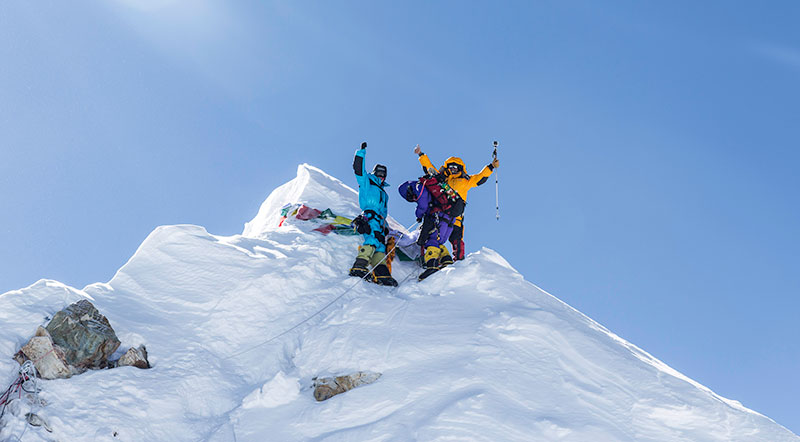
(461, 182)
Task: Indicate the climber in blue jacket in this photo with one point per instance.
(373, 200)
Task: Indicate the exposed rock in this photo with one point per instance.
(36, 421)
(326, 388)
(47, 357)
(135, 357)
(84, 334)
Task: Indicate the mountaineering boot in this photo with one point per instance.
(444, 258)
(365, 253)
(431, 263)
(431, 259)
(359, 268)
(383, 276)
(426, 273)
(378, 259)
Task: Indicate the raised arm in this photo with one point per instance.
(424, 160)
(480, 178)
(358, 164)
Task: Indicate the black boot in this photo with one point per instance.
(445, 260)
(426, 273)
(383, 277)
(359, 268)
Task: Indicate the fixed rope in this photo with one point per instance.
(27, 375)
(294, 327)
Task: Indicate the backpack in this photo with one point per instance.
(445, 198)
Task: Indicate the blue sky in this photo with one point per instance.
(648, 150)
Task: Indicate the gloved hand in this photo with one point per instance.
(495, 163)
(364, 145)
(419, 220)
(417, 150)
(361, 225)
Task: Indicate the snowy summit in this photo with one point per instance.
(238, 328)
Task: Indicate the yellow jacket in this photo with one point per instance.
(459, 182)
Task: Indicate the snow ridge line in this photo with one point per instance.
(294, 327)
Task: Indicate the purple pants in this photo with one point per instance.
(442, 228)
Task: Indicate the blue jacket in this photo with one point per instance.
(371, 193)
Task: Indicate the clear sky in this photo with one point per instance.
(648, 149)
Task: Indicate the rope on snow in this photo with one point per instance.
(294, 327)
(27, 375)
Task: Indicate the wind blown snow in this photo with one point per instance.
(475, 352)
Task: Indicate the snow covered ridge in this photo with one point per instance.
(312, 187)
(475, 352)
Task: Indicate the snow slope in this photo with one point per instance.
(473, 353)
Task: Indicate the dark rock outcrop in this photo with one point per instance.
(48, 358)
(134, 357)
(77, 339)
(85, 335)
(326, 388)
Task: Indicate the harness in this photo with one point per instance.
(371, 214)
(361, 224)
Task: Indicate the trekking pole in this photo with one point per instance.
(496, 183)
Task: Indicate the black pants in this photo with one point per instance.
(457, 241)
